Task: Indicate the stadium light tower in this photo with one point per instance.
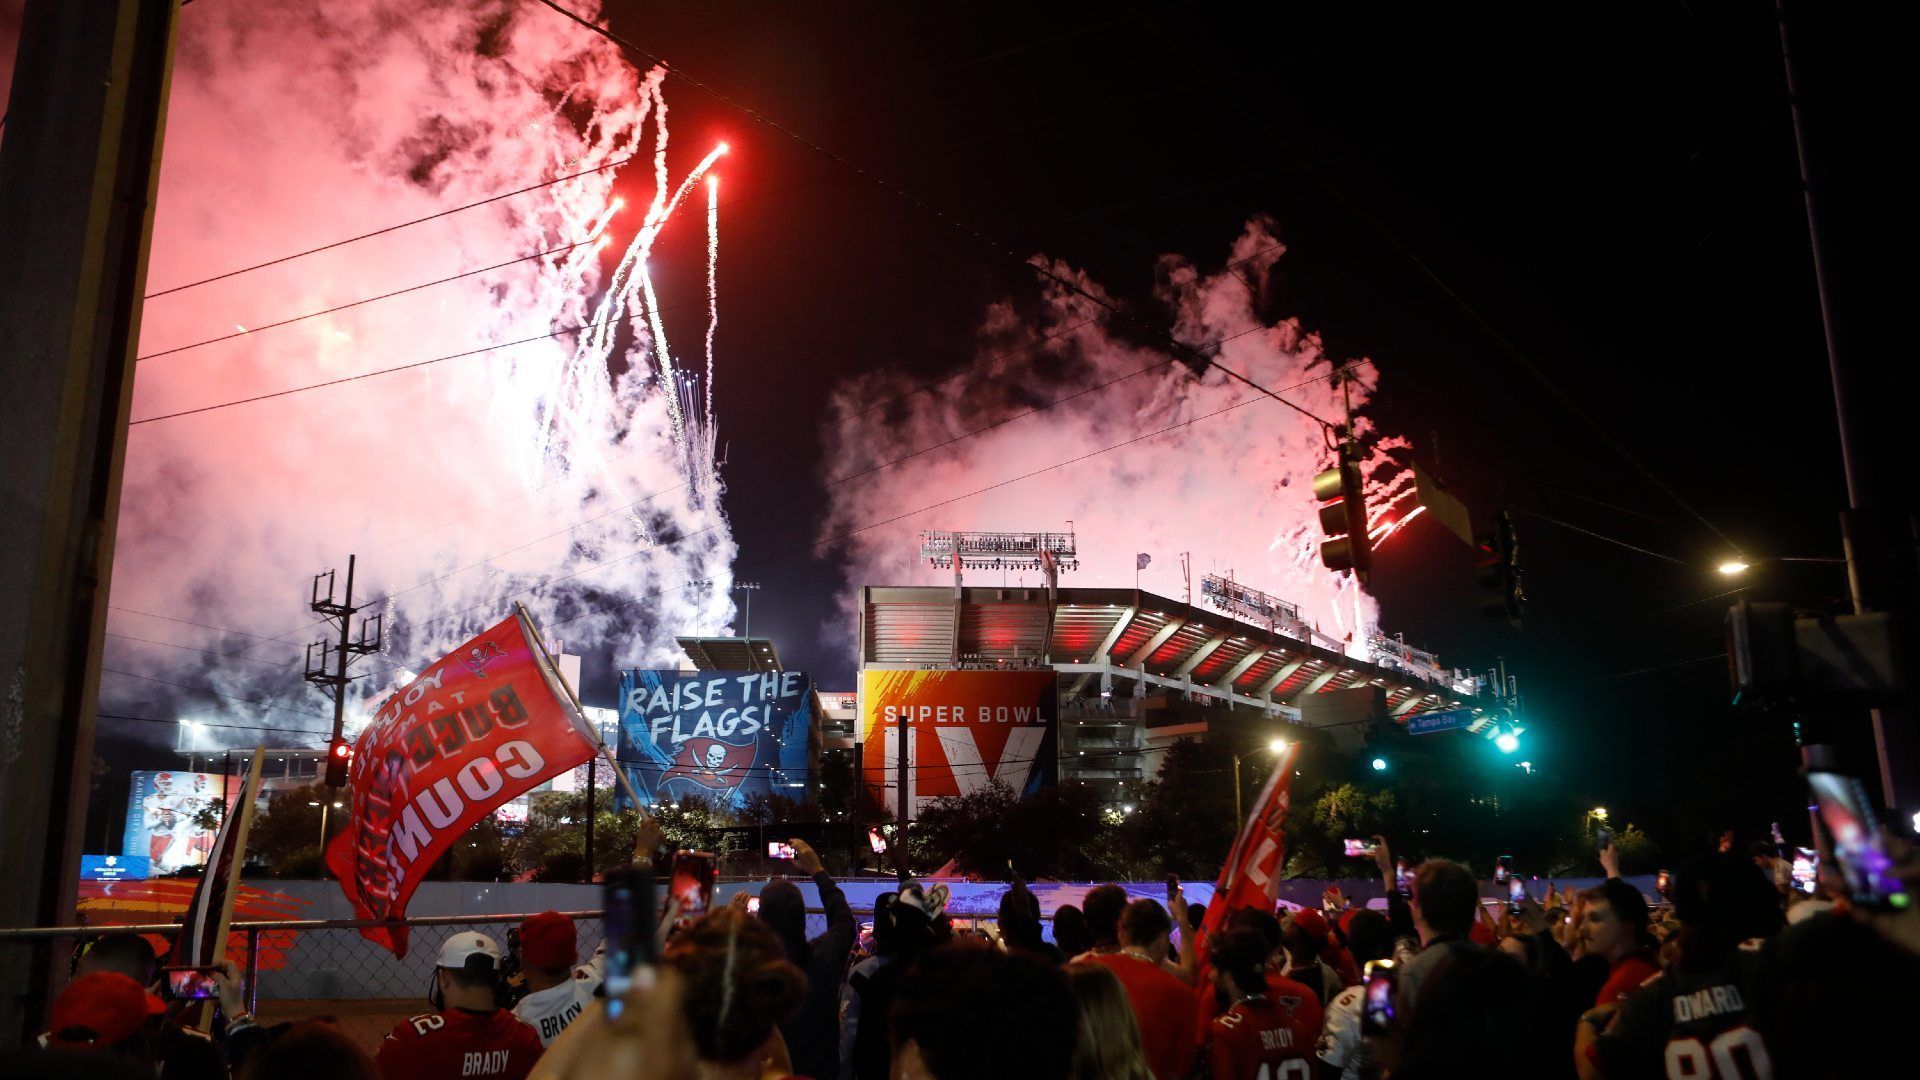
(1049, 552)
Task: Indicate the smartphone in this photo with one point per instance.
(1402, 877)
(1500, 871)
(1361, 849)
(692, 883)
(877, 842)
(1516, 894)
(1806, 869)
(778, 850)
(753, 905)
(1602, 838)
(629, 920)
(1376, 1008)
(190, 983)
(1849, 817)
(1173, 888)
(1663, 884)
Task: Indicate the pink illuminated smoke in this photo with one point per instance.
(1235, 489)
(301, 122)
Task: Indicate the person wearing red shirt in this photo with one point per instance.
(470, 1034)
(1263, 1035)
(1162, 1004)
(1615, 927)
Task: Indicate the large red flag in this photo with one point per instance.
(489, 722)
(1251, 877)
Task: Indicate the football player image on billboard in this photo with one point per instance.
(172, 818)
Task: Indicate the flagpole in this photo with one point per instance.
(553, 666)
(243, 825)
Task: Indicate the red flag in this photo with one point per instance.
(1251, 877)
(488, 722)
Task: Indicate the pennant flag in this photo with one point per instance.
(488, 722)
(203, 941)
(1141, 560)
(1251, 877)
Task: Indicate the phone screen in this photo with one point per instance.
(1376, 1012)
(1664, 885)
(627, 900)
(779, 850)
(1848, 815)
(1360, 849)
(692, 882)
(1402, 876)
(190, 983)
(1806, 869)
(1516, 892)
(1602, 838)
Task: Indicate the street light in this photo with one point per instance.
(1278, 746)
(1598, 813)
(1734, 566)
(1379, 764)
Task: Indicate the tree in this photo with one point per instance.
(285, 837)
(1184, 822)
(1057, 832)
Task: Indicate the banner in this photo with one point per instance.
(487, 722)
(203, 940)
(969, 728)
(164, 818)
(1251, 877)
(725, 735)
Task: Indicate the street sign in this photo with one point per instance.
(115, 867)
(1444, 720)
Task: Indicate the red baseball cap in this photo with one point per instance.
(1310, 921)
(548, 940)
(105, 1008)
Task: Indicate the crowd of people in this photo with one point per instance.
(1730, 974)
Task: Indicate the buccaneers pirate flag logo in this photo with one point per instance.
(714, 765)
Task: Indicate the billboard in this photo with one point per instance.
(115, 868)
(969, 728)
(725, 735)
(162, 808)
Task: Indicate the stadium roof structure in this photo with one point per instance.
(732, 653)
(1127, 634)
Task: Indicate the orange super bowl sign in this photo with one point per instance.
(968, 728)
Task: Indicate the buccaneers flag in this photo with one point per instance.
(1251, 877)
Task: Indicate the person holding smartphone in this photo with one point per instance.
(812, 1032)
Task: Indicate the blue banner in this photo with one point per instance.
(115, 867)
(723, 735)
(1444, 720)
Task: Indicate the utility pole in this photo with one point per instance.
(79, 163)
(329, 670)
(590, 808)
(1876, 563)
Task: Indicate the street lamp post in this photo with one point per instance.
(1276, 746)
(1598, 813)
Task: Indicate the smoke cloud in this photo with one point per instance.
(1231, 482)
(460, 484)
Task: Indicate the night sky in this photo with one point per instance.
(1572, 240)
(1610, 193)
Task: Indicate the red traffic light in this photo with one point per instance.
(342, 750)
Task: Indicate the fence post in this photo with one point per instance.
(251, 984)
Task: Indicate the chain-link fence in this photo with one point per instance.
(293, 969)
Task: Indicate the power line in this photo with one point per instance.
(208, 724)
(190, 622)
(191, 648)
(391, 228)
(1603, 536)
(1392, 240)
(207, 690)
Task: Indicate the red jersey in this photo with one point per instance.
(460, 1043)
(1279, 988)
(1163, 1007)
(1627, 975)
(1265, 1039)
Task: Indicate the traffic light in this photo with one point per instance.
(1504, 595)
(339, 755)
(1343, 517)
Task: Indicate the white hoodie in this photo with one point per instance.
(552, 1009)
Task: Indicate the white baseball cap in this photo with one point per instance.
(462, 950)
